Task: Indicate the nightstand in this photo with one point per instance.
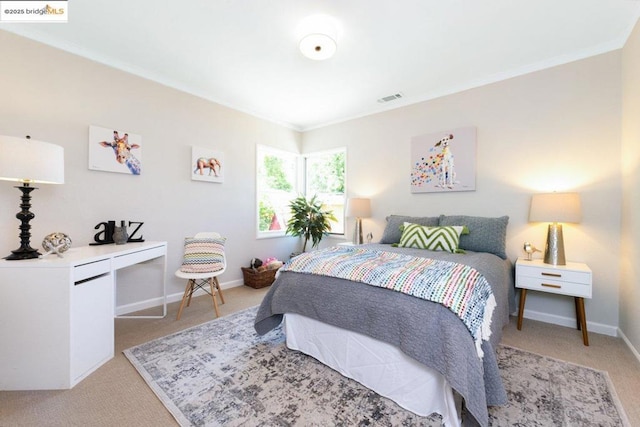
(573, 279)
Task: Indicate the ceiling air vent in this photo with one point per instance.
(390, 98)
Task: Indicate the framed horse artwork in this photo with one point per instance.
(207, 165)
(444, 161)
(115, 150)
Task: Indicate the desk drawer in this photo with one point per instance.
(132, 258)
(92, 269)
(555, 286)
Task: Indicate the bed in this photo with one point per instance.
(326, 315)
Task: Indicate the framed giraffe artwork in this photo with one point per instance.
(444, 161)
(115, 150)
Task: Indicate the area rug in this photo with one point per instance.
(221, 373)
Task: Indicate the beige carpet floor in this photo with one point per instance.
(115, 395)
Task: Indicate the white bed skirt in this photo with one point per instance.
(375, 364)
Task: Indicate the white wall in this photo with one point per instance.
(557, 129)
(54, 96)
(630, 284)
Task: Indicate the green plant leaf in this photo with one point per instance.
(308, 220)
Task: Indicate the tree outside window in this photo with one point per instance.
(277, 185)
(325, 178)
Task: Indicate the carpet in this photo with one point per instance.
(221, 373)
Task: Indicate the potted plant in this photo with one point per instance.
(309, 220)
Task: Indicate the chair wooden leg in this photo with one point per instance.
(213, 295)
(187, 294)
(219, 289)
(192, 282)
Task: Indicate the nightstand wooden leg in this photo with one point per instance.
(578, 320)
(523, 298)
(583, 320)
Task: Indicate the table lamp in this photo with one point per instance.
(29, 162)
(358, 208)
(555, 208)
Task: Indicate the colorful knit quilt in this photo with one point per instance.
(460, 288)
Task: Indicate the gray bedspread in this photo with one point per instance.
(426, 331)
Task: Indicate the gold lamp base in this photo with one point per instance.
(357, 232)
(554, 248)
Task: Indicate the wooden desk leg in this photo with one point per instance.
(583, 320)
(523, 297)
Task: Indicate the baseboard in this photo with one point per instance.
(631, 347)
(570, 322)
(157, 302)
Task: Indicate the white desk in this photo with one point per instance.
(56, 314)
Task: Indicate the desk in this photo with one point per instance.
(56, 314)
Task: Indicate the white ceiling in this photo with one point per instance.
(243, 53)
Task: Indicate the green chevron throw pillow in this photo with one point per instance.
(432, 238)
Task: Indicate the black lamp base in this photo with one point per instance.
(25, 251)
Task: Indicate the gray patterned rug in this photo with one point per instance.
(221, 373)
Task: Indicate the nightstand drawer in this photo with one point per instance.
(554, 274)
(550, 285)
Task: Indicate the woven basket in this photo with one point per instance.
(258, 279)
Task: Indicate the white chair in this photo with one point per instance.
(197, 281)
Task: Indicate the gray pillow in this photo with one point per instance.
(392, 231)
(485, 234)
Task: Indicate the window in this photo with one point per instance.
(277, 177)
(325, 177)
(277, 185)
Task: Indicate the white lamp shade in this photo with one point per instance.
(358, 208)
(555, 207)
(28, 160)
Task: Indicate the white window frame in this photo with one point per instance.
(306, 156)
(261, 151)
(299, 184)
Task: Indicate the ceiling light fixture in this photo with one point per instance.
(318, 37)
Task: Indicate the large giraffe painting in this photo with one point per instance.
(115, 150)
